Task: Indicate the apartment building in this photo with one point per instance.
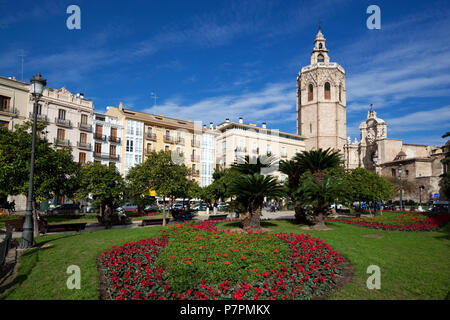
(69, 118)
(14, 98)
(145, 133)
(107, 140)
(236, 140)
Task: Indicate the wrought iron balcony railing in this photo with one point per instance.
(63, 123)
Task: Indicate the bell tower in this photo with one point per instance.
(321, 100)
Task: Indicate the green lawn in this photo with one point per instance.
(413, 265)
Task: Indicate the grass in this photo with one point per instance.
(414, 265)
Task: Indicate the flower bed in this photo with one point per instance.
(198, 261)
(404, 221)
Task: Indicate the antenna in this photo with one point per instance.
(21, 56)
(154, 97)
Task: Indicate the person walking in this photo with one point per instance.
(215, 207)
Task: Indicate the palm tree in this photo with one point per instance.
(251, 189)
(317, 161)
(247, 165)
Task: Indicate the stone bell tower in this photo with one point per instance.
(321, 100)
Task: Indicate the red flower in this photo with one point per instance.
(227, 262)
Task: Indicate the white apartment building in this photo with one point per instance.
(133, 144)
(236, 140)
(107, 142)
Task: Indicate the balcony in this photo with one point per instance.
(195, 158)
(284, 155)
(99, 136)
(179, 140)
(114, 139)
(195, 173)
(151, 136)
(195, 143)
(40, 117)
(84, 126)
(10, 112)
(63, 123)
(106, 156)
(147, 151)
(168, 139)
(84, 145)
(62, 142)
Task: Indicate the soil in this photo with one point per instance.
(373, 236)
(103, 293)
(341, 280)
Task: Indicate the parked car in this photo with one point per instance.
(222, 206)
(127, 207)
(66, 208)
(151, 208)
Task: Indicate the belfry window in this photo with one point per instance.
(320, 46)
(310, 92)
(340, 92)
(327, 91)
(320, 58)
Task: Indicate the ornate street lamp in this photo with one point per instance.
(400, 182)
(37, 88)
(420, 194)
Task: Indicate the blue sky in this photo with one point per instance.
(209, 60)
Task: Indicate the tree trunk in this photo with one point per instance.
(252, 221)
(35, 221)
(140, 210)
(300, 213)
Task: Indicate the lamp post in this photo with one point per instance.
(400, 182)
(37, 87)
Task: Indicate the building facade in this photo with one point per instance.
(421, 164)
(146, 132)
(107, 140)
(237, 140)
(321, 100)
(14, 97)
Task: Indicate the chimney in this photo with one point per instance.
(211, 125)
(189, 120)
(81, 95)
(120, 105)
(241, 120)
(161, 114)
(263, 125)
(227, 120)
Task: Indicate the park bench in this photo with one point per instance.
(66, 227)
(217, 216)
(115, 220)
(5, 242)
(152, 222)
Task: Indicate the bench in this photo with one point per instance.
(115, 220)
(217, 216)
(152, 222)
(66, 227)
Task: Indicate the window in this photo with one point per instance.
(320, 46)
(393, 172)
(149, 147)
(4, 124)
(39, 109)
(166, 148)
(310, 128)
(310, 92)
(98, 130)
(82, 157)
(129, 146)
(83, 137)
(61, 114)
(283, 152)
(340, 92)
(5, 103)
(112, 150)
(61, 134)
(84, 118)
(327, 91)
(114, 132)
(98, 147)
(320, 58)
(407, 172)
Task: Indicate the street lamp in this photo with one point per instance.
(37, 88)
(400, 182)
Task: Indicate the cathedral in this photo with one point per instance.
(321, 120)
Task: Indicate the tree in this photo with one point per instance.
(137, 186)
(164, 176)
(253, 188)
(104, 183)
(316, 162)
(219, 188)
(365, 185)
(247, 165)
